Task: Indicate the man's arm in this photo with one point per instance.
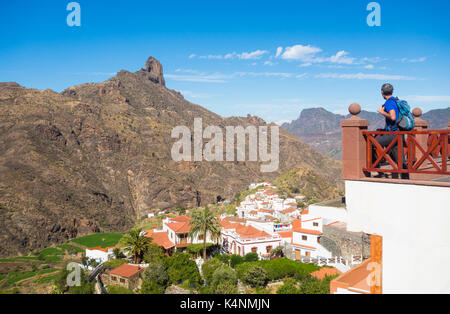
(390, 115)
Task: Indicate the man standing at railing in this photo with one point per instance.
(391, 112)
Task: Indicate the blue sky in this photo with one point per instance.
(265, 58)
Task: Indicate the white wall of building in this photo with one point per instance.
(99, 256)
(329, 214)
(414, 221)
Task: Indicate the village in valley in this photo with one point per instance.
(263, 241)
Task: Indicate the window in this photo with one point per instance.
(254, 249)
(316, 224)
(269, 248)
(113, 278)
(122, 280)
(201, 237)
(304, 238)
(308, 254)
(318, 240)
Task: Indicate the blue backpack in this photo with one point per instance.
(405, 121)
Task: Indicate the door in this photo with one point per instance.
(297, 255)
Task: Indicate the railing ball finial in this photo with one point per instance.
(417, 112)
(354, 109)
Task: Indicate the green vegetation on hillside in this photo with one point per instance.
(99, 239)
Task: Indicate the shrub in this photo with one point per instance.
(118, 290)
(151, 287)
(157, 273)
(155, 253)
(289, 287)
(312, 285)
(224, 258)
(224, 281)
(256, 276)
(209, 267)
(182, 268)
(236, 260)
(251, 257)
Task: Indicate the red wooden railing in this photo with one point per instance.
(426, 152)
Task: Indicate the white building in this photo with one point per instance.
(306, 234)
(242, 239)
(99, 254)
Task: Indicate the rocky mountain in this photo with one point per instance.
(320, 128)
(96, 156)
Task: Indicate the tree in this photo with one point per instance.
(137, 242)
(312, 285)
(155, 253)
(236, 260)
(118, 253)
(157, 272)
(224, 281)
(209, 267)
(256, 276)
(202, 224)
(182, 268)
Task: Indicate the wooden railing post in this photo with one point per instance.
(354, 145)
(422, 140)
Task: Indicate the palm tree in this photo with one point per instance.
(138, 243)
(204, 223)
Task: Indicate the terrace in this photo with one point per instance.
(399, 200)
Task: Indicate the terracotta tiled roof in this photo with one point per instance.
(99, 248)
(285, 234)
(355, 279)
(289, 210)
(181, 219)
(326, 271)
(297, 227)
(180, 227)
(244, 231)
(160, 238)
(126, 270)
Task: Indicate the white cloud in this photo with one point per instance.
(363, 76)
(369, 66)
(341, 58)
(421, 98)
(192, 56)
(252, 55)
(304, 65)
(418, 60)
(300, 52)
(199, 78)
(269, 63)
(279, 52)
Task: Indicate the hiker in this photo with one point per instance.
(390, 110)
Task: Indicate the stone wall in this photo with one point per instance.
(342, 243)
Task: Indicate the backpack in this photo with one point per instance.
(405, 121)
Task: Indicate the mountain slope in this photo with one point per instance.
(96, 156)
